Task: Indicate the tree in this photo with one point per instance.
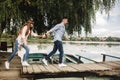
(81, 13)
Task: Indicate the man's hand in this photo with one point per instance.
(44, 36)
(66, 37)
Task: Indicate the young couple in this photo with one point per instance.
(59, 31)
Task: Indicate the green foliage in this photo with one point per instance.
(113, 39)
(81, 13)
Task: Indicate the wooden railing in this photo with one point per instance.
(104, 56)
(86, 59)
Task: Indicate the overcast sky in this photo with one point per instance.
(105, 26)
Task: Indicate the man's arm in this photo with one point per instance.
(54, 29)
(50, 31)
(66, 36)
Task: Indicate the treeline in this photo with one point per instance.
(46, 13)
(10, 37)
(114, 39)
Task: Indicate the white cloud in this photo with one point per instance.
(108, 26)
(100, 30)
(116, 10)
(100, 19)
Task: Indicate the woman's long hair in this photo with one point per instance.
(28, 24)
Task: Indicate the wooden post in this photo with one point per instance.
(104, 56)
(79, 59)
(84, 78)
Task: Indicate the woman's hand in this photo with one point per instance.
(24, 42)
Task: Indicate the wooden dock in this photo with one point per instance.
(38, 71)
(110, 68)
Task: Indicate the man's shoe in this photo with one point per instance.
(45, 62)
(25, 63)
(7, 65)
(62, 65)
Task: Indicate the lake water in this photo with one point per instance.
(92, 50)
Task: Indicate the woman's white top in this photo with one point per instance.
(23, 36)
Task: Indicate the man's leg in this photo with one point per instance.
(60, 48)
(53, 51)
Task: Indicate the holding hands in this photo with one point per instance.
(44, 36)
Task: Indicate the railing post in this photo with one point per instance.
(104, 56)
(79, 59)
(84, 78)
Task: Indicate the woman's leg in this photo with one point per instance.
(14, 52)
(27, 52)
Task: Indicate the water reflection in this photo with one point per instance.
(109, 44)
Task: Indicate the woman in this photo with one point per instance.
(22, 41)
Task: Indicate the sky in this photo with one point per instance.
(107, 26)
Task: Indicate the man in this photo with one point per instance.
(59, 32)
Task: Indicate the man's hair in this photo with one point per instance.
(64, 17)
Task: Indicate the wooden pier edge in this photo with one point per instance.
(59, 74)
(64, 75)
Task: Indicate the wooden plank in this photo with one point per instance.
(80, 68)
(95, 67)
(70, 69)
(112, 65)
(30, 69)
(117, 65)
(42, 68)
(61, 69)
(116, 62)
(36, 69)
(65, 69)
(49, 69)
(105, 65)
(54, 68)
(24, 70)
